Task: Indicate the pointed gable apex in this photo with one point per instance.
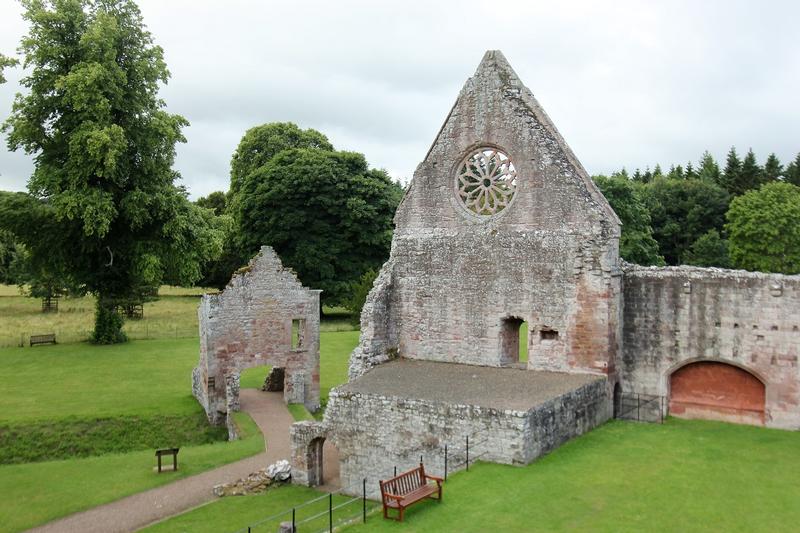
(494, 109)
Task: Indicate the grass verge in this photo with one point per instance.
(71, 437)
(36, 493)
(264, 512)
(681, 476)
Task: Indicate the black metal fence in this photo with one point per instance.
(339, 508)
(640, 407)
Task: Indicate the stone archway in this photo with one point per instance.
(714, 390)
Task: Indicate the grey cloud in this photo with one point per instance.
(628, 83)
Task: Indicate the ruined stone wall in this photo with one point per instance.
(550, 258)
(250, 324)
(374, 434)
(676, 315)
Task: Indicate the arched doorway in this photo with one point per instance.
(323, 464)
(513, 341)
(713, 390)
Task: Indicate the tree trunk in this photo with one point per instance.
(107, 322)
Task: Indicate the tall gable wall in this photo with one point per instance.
(250, 324)
(550, 258)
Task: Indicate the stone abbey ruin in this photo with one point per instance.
(502, 226)
(264, 317)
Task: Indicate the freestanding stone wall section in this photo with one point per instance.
(679, 315)
(263, 317)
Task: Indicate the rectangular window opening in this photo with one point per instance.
(298, 333)
(548, 335)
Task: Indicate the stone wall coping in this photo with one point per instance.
(701, 273)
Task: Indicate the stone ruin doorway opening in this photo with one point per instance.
(323, 464)
(514, 342)
(714, 390)
(617, 400)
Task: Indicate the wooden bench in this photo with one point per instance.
(409, 488)
(50, 338)
(168, 451)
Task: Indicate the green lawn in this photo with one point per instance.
(681, 476)
(80, 382)
(35, 493)
(237, 513)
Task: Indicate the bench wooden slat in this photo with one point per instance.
(408, 488)
(49, 338)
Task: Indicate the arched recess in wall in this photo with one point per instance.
(714, 390)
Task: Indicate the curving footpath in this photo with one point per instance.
(138, 510)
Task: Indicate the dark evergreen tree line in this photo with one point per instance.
(696, 214)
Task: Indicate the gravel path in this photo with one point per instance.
(138, 510)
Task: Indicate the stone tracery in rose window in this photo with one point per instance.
(486, 181)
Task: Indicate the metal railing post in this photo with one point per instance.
(467, 453)
(330, 512)
(445, 462)
(364, 499)
(294, 527)
(638, 404)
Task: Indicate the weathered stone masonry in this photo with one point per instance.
(263, 317)
(679, 315)
(502, 225)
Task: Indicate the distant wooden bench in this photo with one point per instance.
(50, 338)
(409, 488)
(168, 451)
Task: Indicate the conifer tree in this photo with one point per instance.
(709, 169)
(733, 167)
(792, 172)
(750, 176)
(773, 170)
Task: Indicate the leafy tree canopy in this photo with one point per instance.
(683, 210)
(4, 63)
(710, 250)
(764, 229)
(261, 143)
(637, 244)
(102, 204)
(215, 201)
(326, 214)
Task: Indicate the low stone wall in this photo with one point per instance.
(375, 433)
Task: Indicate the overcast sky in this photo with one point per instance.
(627, 83)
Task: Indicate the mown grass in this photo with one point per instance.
(35, 493)
(237, 513)
(681, 476)
(72, 382)
(74, 437)
(139, 378)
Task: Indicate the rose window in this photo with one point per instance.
(486, 181)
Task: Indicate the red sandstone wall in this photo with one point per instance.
(716, 391)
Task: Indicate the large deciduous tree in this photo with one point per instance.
(102, 204)
(636, 244)
(326, 214)
(764, 229)
(681, 211)
(262, 143)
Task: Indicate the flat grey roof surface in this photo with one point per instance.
(499, 388)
